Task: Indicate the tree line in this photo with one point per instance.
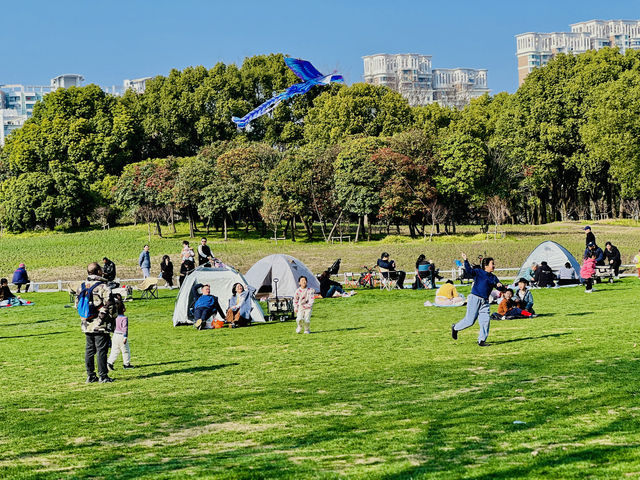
(565, 145)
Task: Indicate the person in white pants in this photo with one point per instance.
(119, 341)
(302, 305)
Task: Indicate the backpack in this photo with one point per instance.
(86, 309)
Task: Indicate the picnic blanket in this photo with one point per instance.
(15, 302)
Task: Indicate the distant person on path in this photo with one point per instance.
(166, 270)
(98, 325)
(120, 341)
(144, 261)
(20, 278)
(239, 309)
(590, 237)
(593, 249)
(478, 300)
(329, 288)
(187, 263)
(612, 257)
(303, 304)
(587, 271)
(389, 267)
(205, 256)
(108, 269)
(636, 259)
(567, 275)
(448, 295)
(206, 306)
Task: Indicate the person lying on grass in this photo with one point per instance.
(478, 300)
(206, 306)
(510, 307)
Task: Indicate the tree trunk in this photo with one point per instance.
(225, 227)
(358, 229)
(367, 226)
(308, 227)
(191, 233)
(158, 230)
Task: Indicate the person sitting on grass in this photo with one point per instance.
(544, 276)
(587, 271)
(484, 281)
(524, 296)
(239, 311)
(567, 275)
(330, 288)
(5, 293)
(511, 308)
(206, 306)
(448, 295)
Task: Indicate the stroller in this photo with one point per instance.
(334, 268)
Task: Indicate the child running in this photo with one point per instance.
(302, 304)
(478, 300)
(120, 340)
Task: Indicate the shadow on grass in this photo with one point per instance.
(207, 368)
(23, 324)
(551, 335)
(161, 363)
(34, 335)
(339, 330)
(577, 314)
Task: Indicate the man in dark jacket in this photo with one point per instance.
(544, 276)
(593, 249)
(389, 267)
(205, 255)
(590, 237)
(20, 278)
(612, 256)
(108, 269)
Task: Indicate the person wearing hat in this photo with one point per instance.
(593, 249)
(389, 266)
(20, 278)
(612, 255)
(524, 296)
(590, 237)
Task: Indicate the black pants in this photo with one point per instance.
(203, 312)
(616, 267)
(588, 283)
(97, 345)
(26, 287)
(398, 276)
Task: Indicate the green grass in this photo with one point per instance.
(379, 390)
(64, 256)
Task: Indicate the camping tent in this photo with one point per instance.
(221, 281)
(554, 254)
(286, 269)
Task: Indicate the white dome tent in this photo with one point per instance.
(221, 281)
(286, 269)
(554, 254)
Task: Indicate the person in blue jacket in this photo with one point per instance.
(593, 249)
(205, 306)
(144, 261)
(484, 281)
(239, 311)
(20, 278)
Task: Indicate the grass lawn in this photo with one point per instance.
(379, 390)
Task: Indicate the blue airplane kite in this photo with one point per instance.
(310, 77)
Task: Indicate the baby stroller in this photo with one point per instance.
(334, 268)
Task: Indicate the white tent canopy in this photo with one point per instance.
(221, 281)
(554, 254)
(286, 269)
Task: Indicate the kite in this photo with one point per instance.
(309, 76)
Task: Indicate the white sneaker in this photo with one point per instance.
(307, 331)
(299, 330)
(588, 291)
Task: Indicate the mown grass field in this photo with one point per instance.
(379, 390)
(64, 256)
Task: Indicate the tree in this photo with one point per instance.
(498, 211)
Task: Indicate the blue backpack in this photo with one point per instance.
(86, 309)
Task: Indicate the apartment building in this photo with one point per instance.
(413, 76)
(536, 49)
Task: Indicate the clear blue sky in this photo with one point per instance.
(107, 41)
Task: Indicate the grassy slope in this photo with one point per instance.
(52, 256)
(378, 391)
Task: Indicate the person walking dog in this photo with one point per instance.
(484, 281)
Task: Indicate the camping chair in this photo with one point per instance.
(424, 276)
(148, 288)
(461, 273)
(387, 280)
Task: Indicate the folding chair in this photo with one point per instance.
(148, 288)
(387, 282)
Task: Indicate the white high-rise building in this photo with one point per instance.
(412, 76)
(138, 85)
(536, 49)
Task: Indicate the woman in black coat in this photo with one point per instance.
(166, 267)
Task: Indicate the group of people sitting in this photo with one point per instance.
(206, 305)
(426, 272)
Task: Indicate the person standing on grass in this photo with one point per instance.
(98, 325)
(586, 272)
(302, 305)
(590, 237)
(166, 270)
(144, 261)
(187, 263)
(120, 342)
(205, 255)
(484, 281)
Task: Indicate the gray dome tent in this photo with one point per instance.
(286, 269)
(554, 254)
(221, 281)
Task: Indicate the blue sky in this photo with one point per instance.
(107, 41)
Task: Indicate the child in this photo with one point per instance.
(478, 300)
(587, 271)
(120, 340)
(509, 307)
(302, 304)
(524, 296)
(637, 260)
